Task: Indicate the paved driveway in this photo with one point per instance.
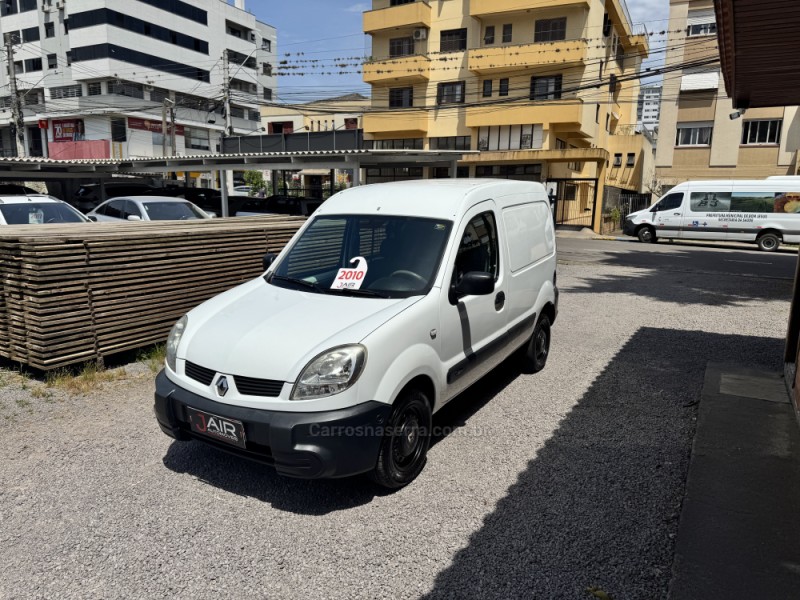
(547, 485)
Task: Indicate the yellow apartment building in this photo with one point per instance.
(700, 134)
(545, 91)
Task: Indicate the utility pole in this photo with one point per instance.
(226, 100)
(17, 117)
(164, 127)
(172, 129)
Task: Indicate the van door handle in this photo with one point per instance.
(499, 301)
(677, 214)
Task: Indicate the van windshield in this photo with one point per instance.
(365, 255)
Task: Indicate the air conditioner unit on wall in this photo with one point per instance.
(60, 5)
(420, 34)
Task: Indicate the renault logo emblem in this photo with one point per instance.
(222, 385)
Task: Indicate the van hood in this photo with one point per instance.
(269, 332)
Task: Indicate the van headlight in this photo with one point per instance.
(174, 340)
(331, 372)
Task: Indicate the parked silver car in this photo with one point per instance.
(147, 208)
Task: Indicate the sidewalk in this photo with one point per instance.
(739, 532)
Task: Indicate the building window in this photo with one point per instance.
(703, 29)
(158, 95)
(694, 134)
(597, 114)
(159, 63)
(507, 28)
(450, 93)
(444, 172)
(561, 144)
(531, 172)
(49, 30)
(266, 45)
(52, 61)
(504, 87)
(488, 35)
(126, 88)
(550, 30)
(399, 2)
(396, 144)
(119, 130)
(606, 25)
(26, 5)
(618, 160)
(266, 69)
(66, 91)
(66, 26)
(95, 88)
(33, 64)
(546, 88)
(268, 94)
(510, 137)
(401, 97)
(758, 133)
(31, 34)
(631, 159)
(401, 47)
(383, 174)
(453, 40)
(196, 139)
(487, 88)
(459, 142)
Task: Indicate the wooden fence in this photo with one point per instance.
(76, 293)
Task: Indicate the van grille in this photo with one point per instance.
(198, 373)
(258, 387)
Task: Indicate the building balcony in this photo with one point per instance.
(399, 123)
(385, 17)
(570, 115)
(500, 59)
(485, 8)
(403, 69)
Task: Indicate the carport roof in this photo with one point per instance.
(46, 168)
(759, 46)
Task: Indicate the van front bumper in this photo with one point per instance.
(628, 227)
(335, 443)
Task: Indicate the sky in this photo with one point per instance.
(330, 31)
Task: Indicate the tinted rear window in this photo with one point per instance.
(35, 213)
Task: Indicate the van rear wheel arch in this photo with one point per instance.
(769, 240)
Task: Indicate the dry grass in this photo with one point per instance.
(153, 357)
(89, 378)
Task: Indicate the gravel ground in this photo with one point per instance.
(549, 484)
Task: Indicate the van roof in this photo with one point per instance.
(771, 182)
(15, 199)
(433, 198)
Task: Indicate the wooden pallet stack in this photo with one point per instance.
(76, 293)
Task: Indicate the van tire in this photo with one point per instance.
(401, 458)
(533, 355)
(646, 235)
(768, 242)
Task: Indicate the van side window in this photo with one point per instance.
(670, 202)
(710, 201)
(478, 250)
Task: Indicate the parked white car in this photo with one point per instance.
(37, 209)
(390, 301)
(147, 208)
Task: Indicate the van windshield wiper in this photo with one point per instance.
(301, 282)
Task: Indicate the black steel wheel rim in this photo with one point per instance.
(408, 438)
(541, 345)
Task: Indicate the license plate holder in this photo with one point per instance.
(221, 429)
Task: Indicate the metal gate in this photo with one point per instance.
(574, 201)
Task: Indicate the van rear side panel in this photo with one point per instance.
(530, 239)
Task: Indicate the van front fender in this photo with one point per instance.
(414, 362)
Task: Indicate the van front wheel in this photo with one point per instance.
(534, 354)
(768, 242)
(405, 443)
(646, 235)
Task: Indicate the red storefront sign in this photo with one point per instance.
(152, 126)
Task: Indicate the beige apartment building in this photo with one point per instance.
(701, 136)
(544, 92)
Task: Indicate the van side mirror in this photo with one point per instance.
(92, 218)
(268, 259)
(475, 283)
(134, 218)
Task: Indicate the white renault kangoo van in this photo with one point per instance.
(388, 302)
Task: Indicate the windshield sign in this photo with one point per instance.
(370, 256)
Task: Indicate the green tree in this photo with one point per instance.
(255, 179)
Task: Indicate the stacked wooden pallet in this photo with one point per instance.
(75, 293)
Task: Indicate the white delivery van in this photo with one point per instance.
(390, 300)
(766, 212)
